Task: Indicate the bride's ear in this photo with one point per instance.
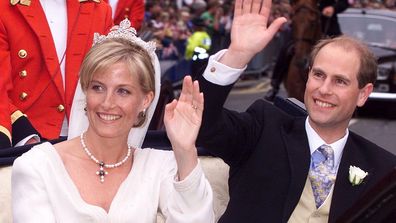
(148, 98)
(142, 116)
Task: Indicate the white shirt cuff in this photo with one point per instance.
(220, 74)
(23, 141)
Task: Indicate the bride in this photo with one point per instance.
(101, 174)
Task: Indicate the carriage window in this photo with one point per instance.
(373, 29)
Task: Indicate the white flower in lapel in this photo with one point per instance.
(356, 175)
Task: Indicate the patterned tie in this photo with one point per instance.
(322, 174)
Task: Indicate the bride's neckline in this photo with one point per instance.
(75, 193)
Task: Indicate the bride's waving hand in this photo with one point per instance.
(182, 121)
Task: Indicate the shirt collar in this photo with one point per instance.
(314, 141)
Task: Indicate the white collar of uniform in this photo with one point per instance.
(113, 4)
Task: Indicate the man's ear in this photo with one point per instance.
(364, 94)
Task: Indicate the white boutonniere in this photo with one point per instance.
(356, 175)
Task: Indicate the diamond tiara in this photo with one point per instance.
(125, 31)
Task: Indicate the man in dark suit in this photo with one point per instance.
(285, 168)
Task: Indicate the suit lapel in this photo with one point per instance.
(345, 195)
(35, 17)
(296, 141)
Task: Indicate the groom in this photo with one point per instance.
(283, 168)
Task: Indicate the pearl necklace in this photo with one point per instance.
(101, 172)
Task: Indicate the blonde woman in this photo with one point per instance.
(102, 175)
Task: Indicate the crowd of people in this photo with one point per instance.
(100, 90)
(171, 24)
(179, 29)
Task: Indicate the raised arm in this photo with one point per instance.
(182, 122)
(250, 32)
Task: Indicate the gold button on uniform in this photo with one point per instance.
(22, 2)
(23, 96)
(126, 15)
(23, 74)
(22, 54)
(60, 108)
(14, 2)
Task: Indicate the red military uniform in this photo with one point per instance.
(30, 66)
(131, 9)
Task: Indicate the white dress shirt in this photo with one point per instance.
(56, 14)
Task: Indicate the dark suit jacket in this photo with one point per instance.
(269, 159)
